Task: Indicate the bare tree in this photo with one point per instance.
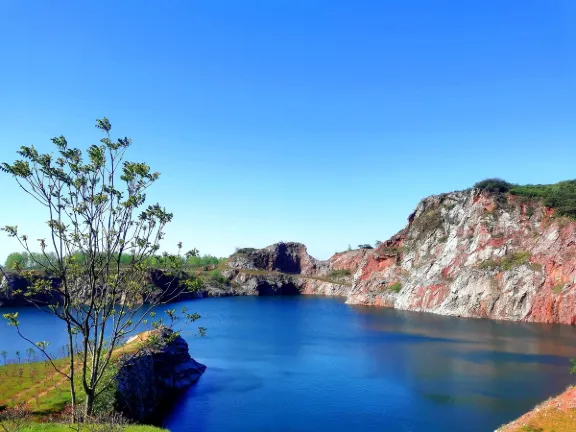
(95, 203)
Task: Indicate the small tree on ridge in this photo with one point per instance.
(95, 205)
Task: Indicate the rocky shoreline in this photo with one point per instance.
(470, 254)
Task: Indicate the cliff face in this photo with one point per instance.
(155, 377)
(469, 253)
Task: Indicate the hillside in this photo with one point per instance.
(483, 252)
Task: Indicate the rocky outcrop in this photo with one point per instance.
(13, 287)
(154, 377)
(469, 253)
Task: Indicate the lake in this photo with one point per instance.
(317, 364)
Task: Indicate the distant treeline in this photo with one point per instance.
(40, 261)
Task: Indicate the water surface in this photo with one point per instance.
(317, 364)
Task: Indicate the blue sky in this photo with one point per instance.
(323, 122)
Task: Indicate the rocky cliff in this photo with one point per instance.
(471, 253)
(155, 376)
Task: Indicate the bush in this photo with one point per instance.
(494, 185)
(560, 196)
(429, 221)
(203, 261)
(216, 276)
(395, 287)
(508, 262)
(365, 246)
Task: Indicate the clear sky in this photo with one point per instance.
(323, 122)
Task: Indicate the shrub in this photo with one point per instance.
(395, 287)
(560, 196)
(203, 261)
(494, 185)
(365, 246)
(429, 221)
(216, 276)
(515, 259)
(508, 262)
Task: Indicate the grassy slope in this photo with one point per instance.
(557, 414)
(45, 427)
(39, 386)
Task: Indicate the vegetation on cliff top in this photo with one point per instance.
(38, 261)
(559, 196)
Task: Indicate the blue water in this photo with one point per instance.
(317, 364)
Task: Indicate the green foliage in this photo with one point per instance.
(203, 261)
(557, 289)
(336, 274)
(217, 276)
(395, 287)
(365, 246)
(494, 185)
(529, 428)
(508, 262)
(515, 259)
(560, 196)
(15, 260)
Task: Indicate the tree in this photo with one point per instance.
(15, 260)
(377, 243)
(365, 246)
(95, 204)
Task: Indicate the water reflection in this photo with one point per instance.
(310, 364)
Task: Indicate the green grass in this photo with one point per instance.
(39, 386)
(395, 287)
(35, 384)
(51, 427)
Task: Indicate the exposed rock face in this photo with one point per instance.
(468, 253)
(281, 257)
(155, 376)
(13, 287)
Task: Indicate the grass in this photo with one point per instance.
(39, 386)
(553, 415)
(395, 287)
(52, 427)
(35, 384)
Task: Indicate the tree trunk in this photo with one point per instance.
(89, 405)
